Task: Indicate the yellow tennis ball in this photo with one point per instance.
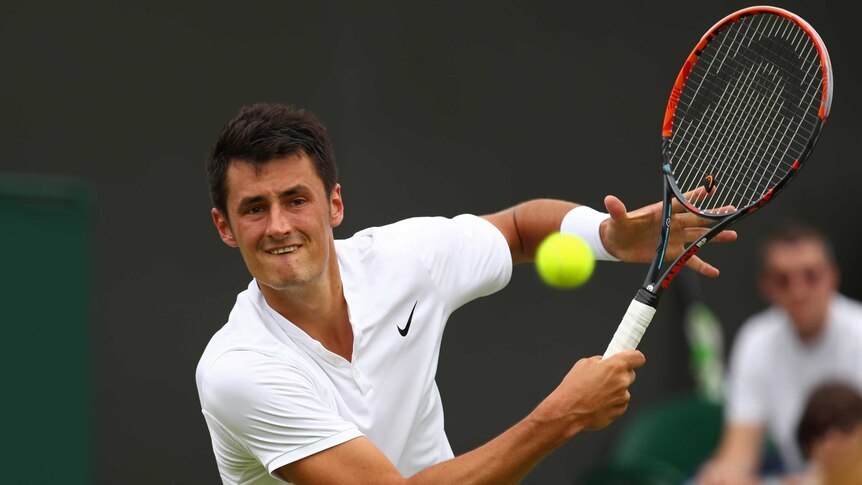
(564, 260)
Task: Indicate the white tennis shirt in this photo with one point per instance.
(772, 371)
(272, 395)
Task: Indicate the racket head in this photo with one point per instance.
(743, 116)
(745, 111)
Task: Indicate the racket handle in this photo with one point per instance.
(631, 329)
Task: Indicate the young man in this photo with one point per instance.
(325, 370)
(810, 334)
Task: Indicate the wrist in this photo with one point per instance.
(551, 419)
(586, 222)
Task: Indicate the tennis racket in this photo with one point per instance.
(743, 117)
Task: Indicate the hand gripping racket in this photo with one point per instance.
(743, 117)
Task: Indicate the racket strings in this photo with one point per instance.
(740, 173)
(760, 123)
(746, 111)
(741, 126)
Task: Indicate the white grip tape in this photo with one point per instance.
(631, 329)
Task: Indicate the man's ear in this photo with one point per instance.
(336, 206)
(834, 275)
(223, 227)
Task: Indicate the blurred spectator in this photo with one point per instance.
(830, 435)
(809, 335)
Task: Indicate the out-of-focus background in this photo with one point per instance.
(107, 110)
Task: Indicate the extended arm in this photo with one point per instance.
(629, 236)
(592, 394)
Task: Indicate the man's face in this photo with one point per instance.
(281, 220)
(800, 278)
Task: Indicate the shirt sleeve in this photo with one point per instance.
(272, 407)
(745, 400)
(466, 256)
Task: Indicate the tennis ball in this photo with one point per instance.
(564, 261)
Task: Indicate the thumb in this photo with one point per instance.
(615, 207)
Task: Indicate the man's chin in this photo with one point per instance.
(282, 284)
(808, 327)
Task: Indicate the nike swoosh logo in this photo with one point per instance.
(403, 331)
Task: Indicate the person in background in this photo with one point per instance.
(830, 436)
(810, 334)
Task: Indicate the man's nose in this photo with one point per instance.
(278, 223)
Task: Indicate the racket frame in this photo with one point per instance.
(657, 280)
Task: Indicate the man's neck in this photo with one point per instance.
(812, 336)
(318, 309)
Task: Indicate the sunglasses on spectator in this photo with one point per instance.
(807, 276)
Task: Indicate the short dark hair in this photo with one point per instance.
(263, 132)
(831, 406)
(791, 232)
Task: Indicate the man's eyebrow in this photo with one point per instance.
(254, 199)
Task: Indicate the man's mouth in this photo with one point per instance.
(284, 250)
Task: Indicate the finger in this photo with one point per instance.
(702, 196)
(623, 400)
(694, 233)
(725, 236)
(676, 207)
(693, 220)
(725, 209)
(631, 359)
(624, 405)
(615, 207)
(689, 219)
(698, 192)
(694, 197)
(702, 267)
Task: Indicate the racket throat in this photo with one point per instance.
(647, 298)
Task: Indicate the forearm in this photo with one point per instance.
(741, 446)
(505, 459)
(737, 457)
(592, 394)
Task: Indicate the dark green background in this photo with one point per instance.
(434, 109)
(47, 306)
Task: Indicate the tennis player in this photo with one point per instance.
(324, 372)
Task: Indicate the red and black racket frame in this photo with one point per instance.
(657, 280)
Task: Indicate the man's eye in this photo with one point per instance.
(298, 202)
(254, 210)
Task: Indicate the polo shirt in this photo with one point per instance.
(272, 395)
